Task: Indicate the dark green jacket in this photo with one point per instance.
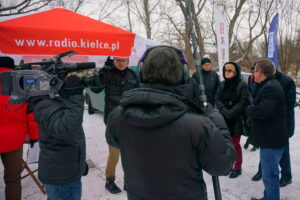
(62, 140)
(165, 145)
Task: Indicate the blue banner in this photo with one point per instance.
(272, 48)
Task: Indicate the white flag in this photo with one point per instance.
(222, 38)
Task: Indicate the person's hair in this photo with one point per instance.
(163, 65)
(265, 66)
(7, 62)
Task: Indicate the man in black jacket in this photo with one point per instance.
(62, 141)
(289, 88)
(210, 79)
(268, 125)
(115, 78)
(164, 143)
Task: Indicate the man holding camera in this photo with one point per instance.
(15, 124)
(165, 144)
(62, 141)
(115, 78)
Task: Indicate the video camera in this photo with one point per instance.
(25, 82)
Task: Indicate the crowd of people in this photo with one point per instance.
(156, 121)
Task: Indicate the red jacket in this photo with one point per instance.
(15, 124)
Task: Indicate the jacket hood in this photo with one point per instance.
(147, 107)
(237, 68)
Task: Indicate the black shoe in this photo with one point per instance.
(235, 173)
(246, 145)
(256, 199)
(256, 177)
(111, 186)
(284, 183)
(253, 148)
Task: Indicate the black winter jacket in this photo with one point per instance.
(62, 140)
(211, 83)
(232, 98)
(268, 116)
(115, 82)
(289, 88)
(191, 91)
(165, 145)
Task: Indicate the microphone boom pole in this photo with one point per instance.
(192, 37)
(203, 99)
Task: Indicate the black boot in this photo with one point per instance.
(111, 186)
(235, 173)
(253, 148)
(284, 183)
(257, 176)
(246, 145)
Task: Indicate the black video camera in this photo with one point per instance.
(24, 82)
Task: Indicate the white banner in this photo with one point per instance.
(222, 38)
(141, 44)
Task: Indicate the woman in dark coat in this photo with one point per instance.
(232, 98)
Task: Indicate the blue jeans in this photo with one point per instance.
(285, 164)
(269, 159)
(69, 191)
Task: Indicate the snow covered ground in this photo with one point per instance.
(241, 188)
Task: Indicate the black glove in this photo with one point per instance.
(72, 85)
(32, 101)
(109, 62)
(32, 142)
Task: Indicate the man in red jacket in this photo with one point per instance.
(15, 124)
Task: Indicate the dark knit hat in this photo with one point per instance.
(205, 60)
(7, 62)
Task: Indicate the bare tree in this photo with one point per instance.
(8, 8)
(145, 11)
(196, 10)
(128, 7)
(288, 35)
(248, 21)
(73, 5)
(297, 58)
(181, 27)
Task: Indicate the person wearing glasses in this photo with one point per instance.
(232, 98)
(115, 78)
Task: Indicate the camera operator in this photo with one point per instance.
(115, 78)
(15, 124)
(62, 141)
(164, 143)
